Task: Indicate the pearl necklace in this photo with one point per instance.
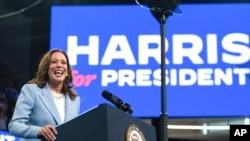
(58, 96)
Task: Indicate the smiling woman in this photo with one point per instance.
(47, 100)
(58, 70)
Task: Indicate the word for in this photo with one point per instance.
(82, 80)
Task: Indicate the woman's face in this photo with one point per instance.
(58, 69)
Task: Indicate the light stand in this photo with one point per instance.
(161, 10)
(163, 116)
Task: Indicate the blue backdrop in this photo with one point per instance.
(117, 48)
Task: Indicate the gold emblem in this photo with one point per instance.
(134, 133)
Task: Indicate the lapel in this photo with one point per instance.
(49, 103)
(68, 107)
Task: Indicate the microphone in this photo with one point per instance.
(117, 102)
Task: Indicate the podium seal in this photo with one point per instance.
(134, 133)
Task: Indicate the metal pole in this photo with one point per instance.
(163, 116)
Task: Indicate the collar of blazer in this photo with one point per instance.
(49, 103)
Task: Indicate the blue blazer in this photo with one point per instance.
(35, 107)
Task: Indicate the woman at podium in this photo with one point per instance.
(46, 101)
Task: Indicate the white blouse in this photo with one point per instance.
(60, 104)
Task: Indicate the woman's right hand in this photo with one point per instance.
(48, 132)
